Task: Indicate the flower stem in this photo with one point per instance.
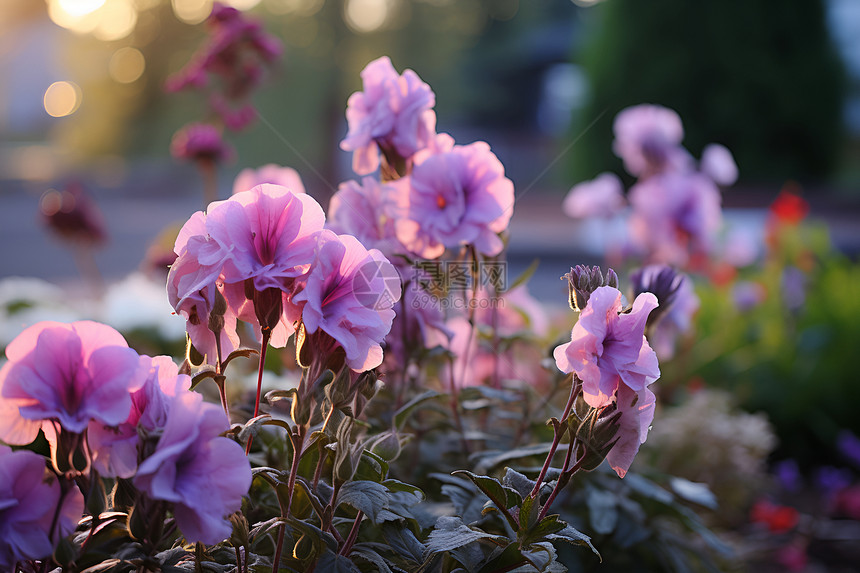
(297, 440)
(263, 346)
(574, 388)
(353, 535)
(558, 484)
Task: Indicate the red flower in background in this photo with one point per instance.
(789, 208)
(777, 518)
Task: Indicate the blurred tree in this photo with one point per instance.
(759, 77)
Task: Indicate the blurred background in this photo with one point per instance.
(82, 102)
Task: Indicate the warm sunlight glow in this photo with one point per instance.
(242, 4)
(62, 99)
(117, 20)
(192, 11)
(126, 65)
(79, 8)
(367, 15)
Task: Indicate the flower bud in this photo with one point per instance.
(387, 446)
(597, 435)
(662, 281)
(582, 281)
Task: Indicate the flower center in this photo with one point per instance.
(441, 202)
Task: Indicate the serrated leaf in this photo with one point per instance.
(402, 414)
(372, 557)
(511, 556)
(450, 533)
(403, 542)
(547, 526)
(540, 555)
(501, 496)
(371, 468)
(529, 511)
(366, 496)
(695, 492)
(518, 482)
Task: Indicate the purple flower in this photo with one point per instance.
(368, 212)
(849, 445)
(678, 303)
(70, 373)
(718, 164)
(348, 295)
(115, 449)
(608, 348)
(458, 197)
(27, 507)
(201, 473)
(200, 142)
(788, 475)
(271, 173)
(675, 214)
(637, 413)
(648, 138)
(600, 197)
(394, 114)
(253, 247)
(747, 295)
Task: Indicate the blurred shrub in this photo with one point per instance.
(791, 351)
(759, 77)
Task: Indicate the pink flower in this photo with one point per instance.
(718, 164)
(458, 197)
(368, 212)
(675, 214)
(648, 138)
(200, 142)
(252, 248)
(637, 413)
(27, 507)
(115, 449)
(600, 197)
(70, 373)
(349, 294)
(394, 114)
(201, 473)
(608, 348)
(271, 173)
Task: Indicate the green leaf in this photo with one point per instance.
(572, 535)
(402, 414)
(451, 533)
(510, 557)
(540, 555)
(403, 542)
(529, 511)
(490, 459)
(372, 557)
(366, 496)
(503, 497)
(547, 526)
(371, 468)
(695, 492)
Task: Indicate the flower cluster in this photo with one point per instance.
(675, 204)
(236, 55)
(432, 195)
(609, 353)
(263, 257)
(127, 416)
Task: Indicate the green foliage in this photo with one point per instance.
(794, 362)
(761, 78)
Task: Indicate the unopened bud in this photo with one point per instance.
(663, 282)
(597, 435)
(582, 281)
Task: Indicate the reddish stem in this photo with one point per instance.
(558, 435)
(263, 346)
